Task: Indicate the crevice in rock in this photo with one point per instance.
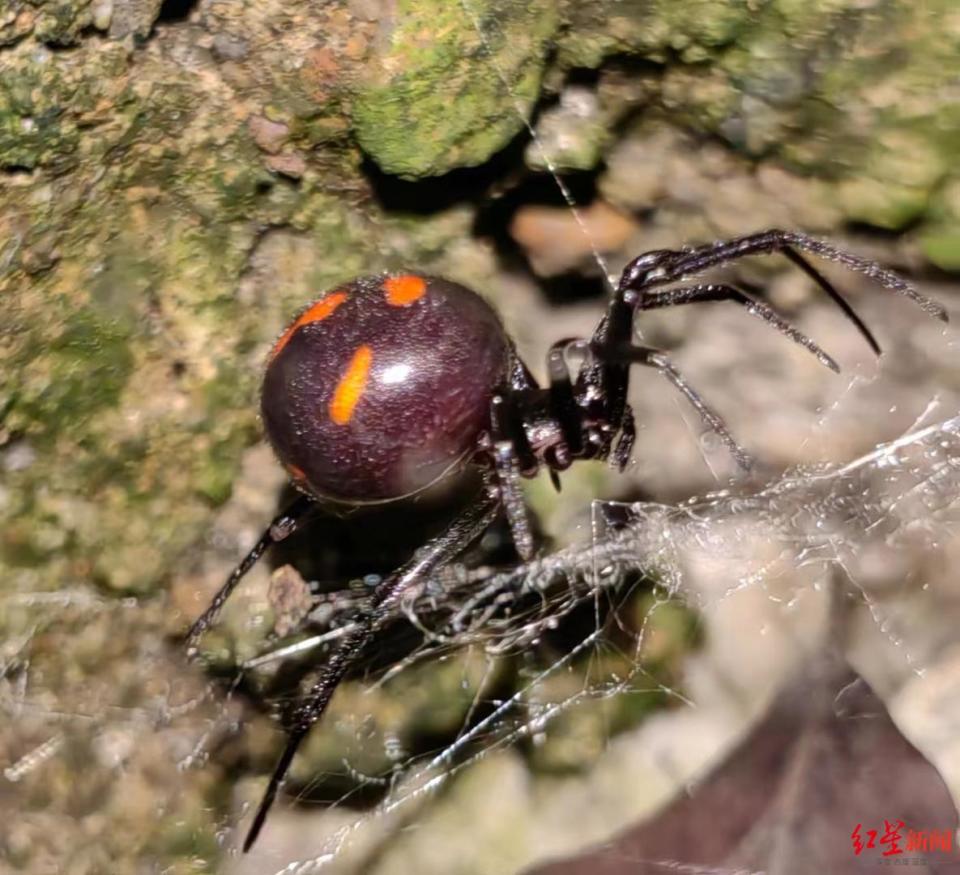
(176, 10)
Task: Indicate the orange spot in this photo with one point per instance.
(402, 291)
(296, 473)
(317, 313)
(351, 386)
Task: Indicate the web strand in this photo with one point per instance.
(548, 161)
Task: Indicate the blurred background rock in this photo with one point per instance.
(178, 178)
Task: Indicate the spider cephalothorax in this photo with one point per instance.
(388, 383)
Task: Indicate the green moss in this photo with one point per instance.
(58, 108)
(441, 96)
(942, 246)
(655, 29)
(79, 370)
(216, 469)
(940, 238)
(131, 451)
(16, 23)
(34, 95)
(578, 735)
(671, 630)
(238, 188)
(23, 544)
(856, 95)
(881, 204)
(192, 841)
(425, 702)
(60, 22)
(321, 130)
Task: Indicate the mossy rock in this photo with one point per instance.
(450, 89)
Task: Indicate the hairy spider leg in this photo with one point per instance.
(284, 525)
(628, 436)
(655, 358)
(602, 382)
(648, 300)
(466, 528)
(588, 414)
(506, 424)
(775, 240)
(612, 339)
(511, 454)
(568, 413)
(605, 376)
(837, 298)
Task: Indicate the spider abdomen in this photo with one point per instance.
(383, 386)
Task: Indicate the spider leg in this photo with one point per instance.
(628, 436)
(596, 373)
(507, 425)
(508, 477)
(604, 380)
(282, 527)
(563, 402)
(654, 358)
(383, 605)
(510, 449)
(835, 296)
(775, 240)
(650, 300)
(886, 278)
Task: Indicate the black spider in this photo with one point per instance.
(389, 383)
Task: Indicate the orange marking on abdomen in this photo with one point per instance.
(296, 473)
(351, 386)
(402, 291)
(317, 313)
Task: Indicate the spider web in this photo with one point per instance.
(781, 541)
(814, 523)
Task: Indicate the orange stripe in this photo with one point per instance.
(351, 386)
(317, 313)
(296, 473)
(402, 291)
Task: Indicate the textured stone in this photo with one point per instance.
(151, 250)
(447, 89)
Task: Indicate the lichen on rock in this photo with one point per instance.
(452, 83)
(174, 187)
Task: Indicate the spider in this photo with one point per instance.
(389, 383)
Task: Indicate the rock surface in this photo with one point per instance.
(178, 178)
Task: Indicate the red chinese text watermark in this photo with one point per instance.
(896, 837)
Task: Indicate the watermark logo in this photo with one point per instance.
(896, 839)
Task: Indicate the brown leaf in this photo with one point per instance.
(826, 758)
